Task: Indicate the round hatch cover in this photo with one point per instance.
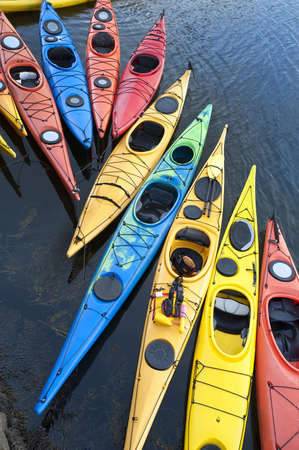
(103, 15)
(207, 189)
(74, 101)
(227, 267)
(241, 235)
(107, 288)
(192, 212)
(2, 86)
(11, 42)
(167, 105)
(50, 137)
(52, 27)
(102, 82)
(281, 270)
(159, 354)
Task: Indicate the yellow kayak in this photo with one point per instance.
(29, 5)
(181, 281)
(8, 107)
(5, 148)
(130, 164)
(221, 379)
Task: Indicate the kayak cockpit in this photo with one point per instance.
(25, 76)
(155, 202)
(189, 251)
(146, 136)
(62, 57)
(284, 322)
(103, 43)
(231, 318)
(144, 63)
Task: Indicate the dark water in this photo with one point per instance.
(246, 62)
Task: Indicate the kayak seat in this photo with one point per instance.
(286, 336)
(283, 310)
(193, 235)
(186, 261)
(231, 316)
(155, 202)
(61, 57)
(25, 76)
(146, 136)
(284, 319)
(144, 63)
(103, 43)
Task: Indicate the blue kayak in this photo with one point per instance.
(132, 247)
(65, 74)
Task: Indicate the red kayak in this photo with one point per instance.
(277, 355)
(102, 63)
(140, 79)
(35, 102)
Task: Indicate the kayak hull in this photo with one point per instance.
(102, 63)
(129, 253)
(68, 84)
(136, 89)
(35, 104)
(223, 364)
(127, 168)
(8, 107)
(151, 382)
(30, 5)
(277, 380)
(5, 148)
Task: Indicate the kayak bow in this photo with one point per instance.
(140, 79)
(102, 62)
(65, 74)
(35, 102)
(277, 353)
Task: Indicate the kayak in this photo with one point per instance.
(130, 163)
(29, 5)
(277, 353)
(8, 107)
(35, 102)
(102, 62)
(131, 249)
(181, 281)
(5, 148)
(222, 371)
(140, 79)
(65, 75)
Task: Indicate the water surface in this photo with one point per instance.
(245, 59)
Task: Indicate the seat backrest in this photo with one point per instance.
(230, 316)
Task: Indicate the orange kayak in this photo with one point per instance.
(34, 99)
(102, 62)
(8, 107)
(277, 354)
(140, 79)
